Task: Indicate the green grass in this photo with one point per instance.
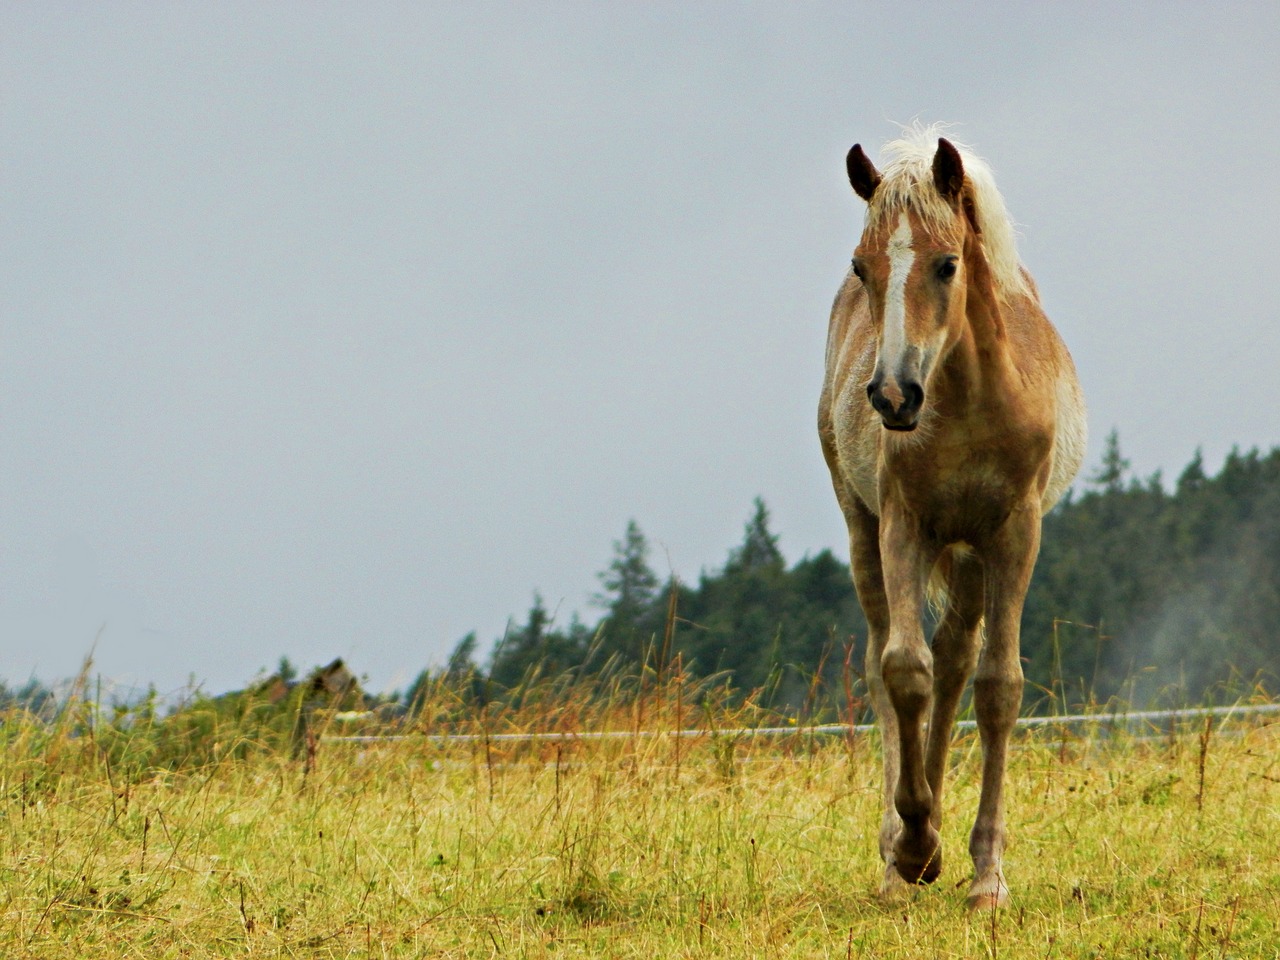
(647, 848)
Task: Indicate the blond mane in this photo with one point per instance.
(908, 184)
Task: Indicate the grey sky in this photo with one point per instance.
(340, 329)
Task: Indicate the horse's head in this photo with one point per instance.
(911, 262)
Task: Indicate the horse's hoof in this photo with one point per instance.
(986, 902)
(919, 861)
(988, 894)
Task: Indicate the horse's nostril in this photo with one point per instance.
(914, 398)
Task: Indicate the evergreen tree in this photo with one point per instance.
(535, 647)
(521, 648)
(759, 547)
(1193, 477)
(461, 661)
(1110, 476)
(630, 585)
(634, 609)
(1159, 596)
(1138, 593)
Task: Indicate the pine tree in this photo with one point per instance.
(461, 660)
(1110, 476)
(522, 647)
(630, 585)
(759, 547)
(1193, 477)
(536, 648)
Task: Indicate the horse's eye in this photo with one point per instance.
(857, 270)
(947, 269)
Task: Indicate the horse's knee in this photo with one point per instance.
(997, 700)
(998, 685)
(908, 676)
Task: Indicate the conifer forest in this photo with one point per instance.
(1145, 592)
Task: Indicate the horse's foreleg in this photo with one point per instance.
(997, 692)
(955, 652)
(890, 822)
(907, 668)
(868, 580)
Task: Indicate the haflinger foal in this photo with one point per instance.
(951, 420)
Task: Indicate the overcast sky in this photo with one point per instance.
(340, 329)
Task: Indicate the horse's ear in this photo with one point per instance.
(862, 173)
(948, 171)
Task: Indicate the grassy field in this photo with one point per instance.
(649, 848)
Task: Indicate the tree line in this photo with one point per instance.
(1141, 593)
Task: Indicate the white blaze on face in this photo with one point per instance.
(901, 256)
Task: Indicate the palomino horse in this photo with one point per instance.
(951, 420)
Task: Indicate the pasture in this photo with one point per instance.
(652, 847)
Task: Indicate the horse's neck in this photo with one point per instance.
(979, 373)
(983, 309)
(968, 359)
(985, 315)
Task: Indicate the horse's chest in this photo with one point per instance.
(964, 512)
(963, 503)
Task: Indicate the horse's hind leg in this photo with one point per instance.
(997, 692)
(868, 580)
(955, 653)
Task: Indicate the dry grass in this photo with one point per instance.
(627, 848)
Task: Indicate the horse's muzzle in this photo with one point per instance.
(898, 405)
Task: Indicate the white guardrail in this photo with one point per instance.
(1134, 718)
